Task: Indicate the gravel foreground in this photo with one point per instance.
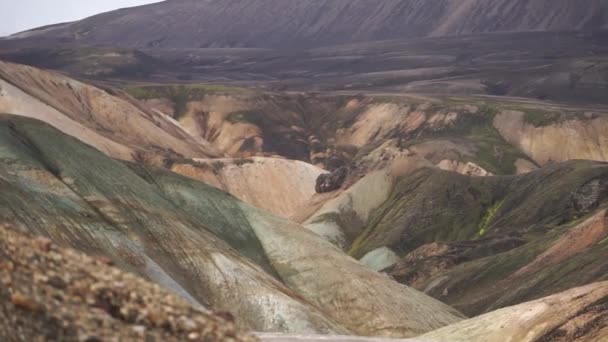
(48, 293)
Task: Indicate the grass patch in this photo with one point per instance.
(489, 111)
(484, 224)
(494, 153)
(540, 118)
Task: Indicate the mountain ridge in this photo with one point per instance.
(297, 24)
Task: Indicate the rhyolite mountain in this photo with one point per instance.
(420, 203)
(402, 190)
(296, 24)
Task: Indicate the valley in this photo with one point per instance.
(307, 171)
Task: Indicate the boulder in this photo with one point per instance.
(332, 181)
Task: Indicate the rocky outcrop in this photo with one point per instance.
(332, 181)
(556, 139)
(468, 168)
(379, 259)
(589, 196)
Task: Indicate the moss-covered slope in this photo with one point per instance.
(534, 234)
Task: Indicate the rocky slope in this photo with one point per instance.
(272, 23)
(107, 120)
(199, 241)
(52, 293)
(280, 186)
(579, 314)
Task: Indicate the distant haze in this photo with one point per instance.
(21, 15)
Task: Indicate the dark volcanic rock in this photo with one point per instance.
(329, 182)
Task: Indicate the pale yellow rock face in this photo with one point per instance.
(376, 122)
(13, 100)
(525, 322)
(112, 124)
(279, 186)
(207, 118)
(571, 139)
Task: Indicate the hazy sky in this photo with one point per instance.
(20, 15)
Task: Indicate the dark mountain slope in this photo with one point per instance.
(466, 239)
(294, 23)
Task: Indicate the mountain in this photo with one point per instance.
(423, 170)
(204, 244)
(543, 49)
(295, 24)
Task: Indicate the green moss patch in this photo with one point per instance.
(489, 216)
(494, 153)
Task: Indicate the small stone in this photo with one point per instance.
(93, 339)
(23, 302)
(7, 265)
(156, 318)
(129, 315)
(43, 244)
(139, 330)
(194, 336)
(186, 324)
(6, 280)
(104, 260)
(57, 282)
